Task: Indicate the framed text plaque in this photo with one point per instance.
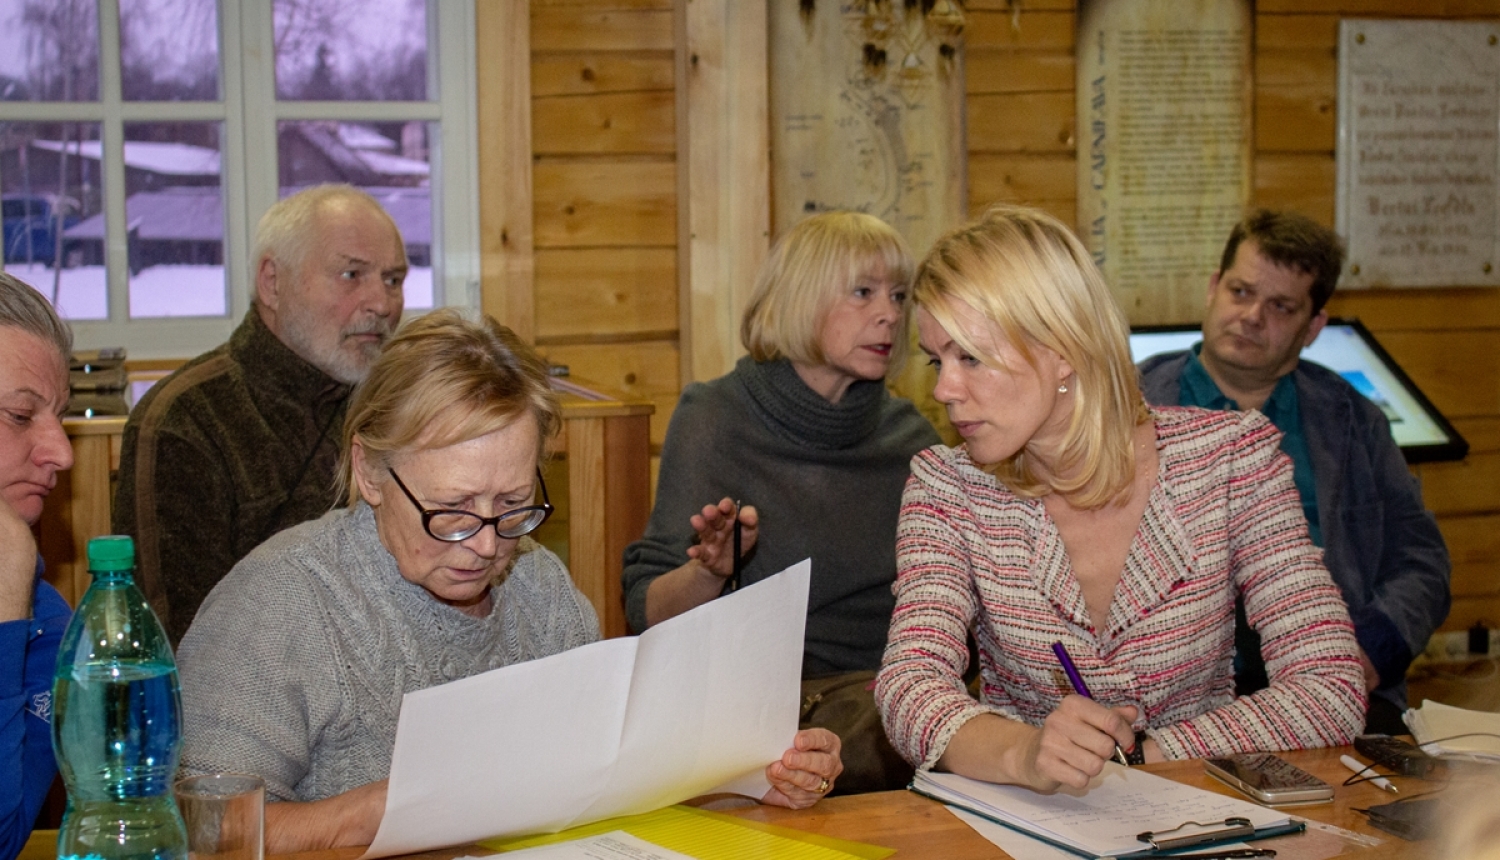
(1418, 155)
(1164, 98)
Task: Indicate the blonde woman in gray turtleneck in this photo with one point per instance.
(803, 434)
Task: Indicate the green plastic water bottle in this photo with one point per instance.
(116, 722)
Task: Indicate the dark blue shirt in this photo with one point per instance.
(28, 658)
(1199, 389)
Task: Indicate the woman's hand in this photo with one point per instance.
(806, 771)
(341, 821)
(714, 526)
(1075, 741)
(17, 564)
(710, 562)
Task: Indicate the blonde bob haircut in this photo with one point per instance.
(440, 381)
(810, 268)
(1036, 284)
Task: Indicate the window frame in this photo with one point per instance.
(249, 168)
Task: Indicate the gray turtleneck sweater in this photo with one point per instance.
(295, 666)
(826, 479)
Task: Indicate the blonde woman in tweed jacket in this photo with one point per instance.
(1075, 514)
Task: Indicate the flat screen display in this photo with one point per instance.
(1348, 348)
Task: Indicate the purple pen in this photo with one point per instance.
(1081, 688)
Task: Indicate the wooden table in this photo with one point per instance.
(606, 438)
(920, 828)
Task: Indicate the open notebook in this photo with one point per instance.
(1108, 819)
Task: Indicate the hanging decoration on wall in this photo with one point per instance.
(867, 114)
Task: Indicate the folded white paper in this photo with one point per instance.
(702, 701)
(1455, 732)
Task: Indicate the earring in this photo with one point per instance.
(1063, 388)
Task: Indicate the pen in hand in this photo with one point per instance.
(1081, 689)
(734, 568)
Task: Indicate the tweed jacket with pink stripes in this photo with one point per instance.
(1223, 518)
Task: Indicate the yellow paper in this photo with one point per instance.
(710, 836)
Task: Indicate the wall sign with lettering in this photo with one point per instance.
(1164, 144)
(1418, 155)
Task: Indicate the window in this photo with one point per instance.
(140, 140)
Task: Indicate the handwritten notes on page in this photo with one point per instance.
(705, 835)
(616, 845)
(1102, 821)
(703, 701)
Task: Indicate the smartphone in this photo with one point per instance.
(1269, 779)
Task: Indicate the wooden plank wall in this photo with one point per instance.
(605, 194)
(1021, 149)
(605, 207)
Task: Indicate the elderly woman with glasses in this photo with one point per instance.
(295, 665)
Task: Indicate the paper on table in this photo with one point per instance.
(1013, 842)
(1440, 728)
(707, 835)
(1103, 820)
(1022, 847)
(703, 700)
(616, 845)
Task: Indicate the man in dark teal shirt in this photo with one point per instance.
(1383, 548)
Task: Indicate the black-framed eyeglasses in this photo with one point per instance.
(455, 526)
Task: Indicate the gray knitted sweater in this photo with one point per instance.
(295, 666)
(826, 479)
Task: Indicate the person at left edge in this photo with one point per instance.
(804, 433)
(295, 666)
(240, 442)
(34, 349)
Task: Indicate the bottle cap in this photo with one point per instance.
(113, 552)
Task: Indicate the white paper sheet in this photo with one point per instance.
(1022, 847)
(1013, 842)
(615, 845)
(1102, 820)
(1455, 732)
(703, 700)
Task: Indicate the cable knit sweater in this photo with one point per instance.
(1223, 518)
(826, 480)
(295, 666)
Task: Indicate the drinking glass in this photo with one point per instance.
(225, 815)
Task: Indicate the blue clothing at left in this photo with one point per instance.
(1199, 389)
(28, 658)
